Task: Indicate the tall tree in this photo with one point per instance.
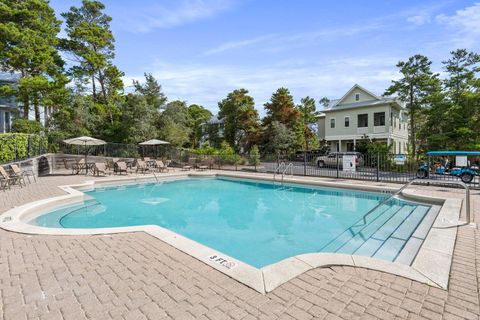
(91, 43)
(28, 40)
(241, 123)
(281, 109)
(198, 115)
(416, 86)
(173, 123)
(308, 117)
(152, 91)
(452, 118)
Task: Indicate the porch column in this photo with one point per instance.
(339, 146)
(354, 144)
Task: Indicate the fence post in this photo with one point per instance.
(28, 147)
(378, 165)
(255, 162)
(304, 163)
(338, 171)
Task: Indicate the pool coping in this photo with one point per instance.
(431, 264)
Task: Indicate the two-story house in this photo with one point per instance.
(359, 114)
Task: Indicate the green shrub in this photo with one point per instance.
(21, 125)
(14, 146)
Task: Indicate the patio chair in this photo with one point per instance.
(190, 164)
(23, 173)
(110, 164)
(205, 165)
(11, 179)
(161, 167)
(120, 167)
(142, 166)
(100, 167)
(68, 167)
(4, 183)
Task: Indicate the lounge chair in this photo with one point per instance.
(11, 179)
(23, 173)
(100, 167)
(141, 166)
(67, 167)
(205, 165)
(120, 167)
(161, 167)
(110, 164)
(190, 164)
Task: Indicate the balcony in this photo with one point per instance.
(362, 130)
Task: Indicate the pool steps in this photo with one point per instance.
(392, 232)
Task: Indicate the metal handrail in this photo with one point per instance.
(387, 199)
(458, 183)
(414, 180)
(289, 166)
(277, 170)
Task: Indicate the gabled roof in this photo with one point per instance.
(357, 86)
(374, 101)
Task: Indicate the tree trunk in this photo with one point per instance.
(102, 85)
(94, 93)
(36, 108)
(412, 122)
(26, 106)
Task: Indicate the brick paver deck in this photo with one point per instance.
(136, 276)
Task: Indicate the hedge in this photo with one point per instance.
(19, 146)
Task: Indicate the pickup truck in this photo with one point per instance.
(330, 160)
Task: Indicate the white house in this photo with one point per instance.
(359, 114)
(8, 105)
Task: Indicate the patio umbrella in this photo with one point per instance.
(85, 141)
(152, 142)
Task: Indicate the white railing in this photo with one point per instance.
(277, 170)
(288, 167)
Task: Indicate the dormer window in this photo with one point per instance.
(357, 96)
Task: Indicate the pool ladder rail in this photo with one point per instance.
(285, 170)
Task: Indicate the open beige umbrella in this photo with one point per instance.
(85, 141)
(152, 142)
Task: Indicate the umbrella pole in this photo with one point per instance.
(86, 153)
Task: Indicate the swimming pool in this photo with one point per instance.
(256, 222)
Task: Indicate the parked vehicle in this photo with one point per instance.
(309, 154)
(466, 173)
(330, 160)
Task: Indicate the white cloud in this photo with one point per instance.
(237, 44)
(276, 42)
(208, 84)
(170, 14)
(419, 19)
(465, 24)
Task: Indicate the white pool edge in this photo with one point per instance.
(431, 265)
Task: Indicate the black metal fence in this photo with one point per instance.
(395, 168)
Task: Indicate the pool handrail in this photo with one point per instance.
(428, 181)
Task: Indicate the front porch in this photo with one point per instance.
(350, 145)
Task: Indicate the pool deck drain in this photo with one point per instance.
(109, 269)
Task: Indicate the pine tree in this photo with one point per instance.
(416, 86)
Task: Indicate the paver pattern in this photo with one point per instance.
(136, 276)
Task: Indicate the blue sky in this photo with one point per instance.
(200, 50)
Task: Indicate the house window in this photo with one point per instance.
(362, 120)
(357, 96)
(379, 119)
(332, 123)
(347, 122)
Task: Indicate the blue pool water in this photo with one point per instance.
(256, 222)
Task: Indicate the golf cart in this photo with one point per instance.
(443, 165)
